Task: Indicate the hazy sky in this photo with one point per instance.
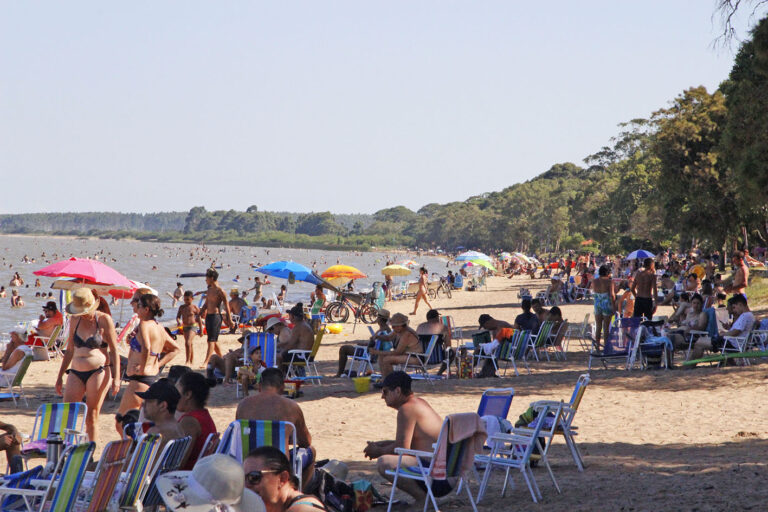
(348, 106)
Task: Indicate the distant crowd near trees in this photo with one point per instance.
(694, 172)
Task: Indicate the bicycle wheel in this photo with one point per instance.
(448, 291)
(369, 313)
(337, 312)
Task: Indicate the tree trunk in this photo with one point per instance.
(745, 239)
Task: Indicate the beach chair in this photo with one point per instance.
(711, 331)
(566, 427)
(456, 332)
(538, 343)
(10, 380)
(513, 451)
(210, 446)
(136, 476)
(515, 349)
(455, 455)
(49, 344)
(305, 359)
(580, 332)
(268, 344)
(496, 402)
(418, 361)
(58, 492)
(243, 436)
(124, 332)
(23, 480)
(98, 487)
(170, 459)
(621, 346)
(556, 334)
(65, 418)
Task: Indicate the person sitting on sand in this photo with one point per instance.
(301, 337)
(418, 426)
(526, 320)
(406, 341)
(270, 404)
(383, 334)
(160, 402)
(188, 318)
(433, 326)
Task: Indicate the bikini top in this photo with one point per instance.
(93, 342)
(135, 346)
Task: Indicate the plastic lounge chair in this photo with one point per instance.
(60, 490)
(243, 436)
(566, 427)
(496, 402)
(135, 478)
(66, 418)
(305, 359)
(426, 463)
(10, 380)
(170, 459)
(98, 487)
(513, 451)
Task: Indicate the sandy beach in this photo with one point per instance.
(652, 440)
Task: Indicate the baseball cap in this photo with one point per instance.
(162, 391)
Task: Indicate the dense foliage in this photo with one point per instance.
(695, 172)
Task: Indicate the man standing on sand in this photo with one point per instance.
(269, 404)
(740, 276)
(644, 290)
(418, 426)
(216, 310)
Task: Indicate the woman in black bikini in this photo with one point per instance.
(90, 334)
(145, 346)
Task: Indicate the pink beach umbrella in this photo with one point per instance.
(87, 269)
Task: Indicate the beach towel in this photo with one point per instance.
(460, 426)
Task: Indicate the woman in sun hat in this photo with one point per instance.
(216, 484)
(91, 338)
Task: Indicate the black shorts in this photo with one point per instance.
(213, 326)
(643, 307)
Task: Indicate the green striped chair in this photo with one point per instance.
(137, 474)
(243, 436)
(515, 350)
(66, 418)
(63, 484)
(15, 380)
(539, 342)
(455, 453)
(100, 485)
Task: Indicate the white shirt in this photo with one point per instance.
(744, 323)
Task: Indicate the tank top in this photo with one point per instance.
(207, 426)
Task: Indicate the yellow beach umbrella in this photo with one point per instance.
(484, 263)
(344, 271)
(396, 270)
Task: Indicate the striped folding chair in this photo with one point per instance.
(455, 455)
(65, 418)
(305, 359)
(14, 502)
(268, 345)
(515, 350)
(133, 480)
(60, 491)
(244, 436)
(171, 458)
(99, 486)
(210, 446)
(420, 361)
(15, 380)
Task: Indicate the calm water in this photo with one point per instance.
(159, 264)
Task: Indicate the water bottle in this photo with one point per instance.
(54, 445)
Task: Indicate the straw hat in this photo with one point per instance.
(83, 302)
(398, 319)
(272, 322)
(216, 484)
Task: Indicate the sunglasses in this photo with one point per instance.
(254, 477)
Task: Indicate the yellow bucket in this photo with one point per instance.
(334, 328)
(362, 384)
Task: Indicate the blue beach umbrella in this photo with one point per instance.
(284, 269)
(640, 254)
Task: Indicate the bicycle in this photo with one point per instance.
(338, 310)
(443, 287)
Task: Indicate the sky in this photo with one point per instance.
(342, 106)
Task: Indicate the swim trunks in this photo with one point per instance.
(213, 326)
(643, 307)
(603, 305)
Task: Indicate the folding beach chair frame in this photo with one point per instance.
(306, 358)
(15, 380)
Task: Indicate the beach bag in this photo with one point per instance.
(363, 495)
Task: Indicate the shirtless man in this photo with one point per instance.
(541, 312)
(644, 290)
(236, 305)
(418, 426)
(159, 407)
(270, 404)
(406, 341)
(215, 304)
(433, 325)
(10, 443)
(188, 318)
(256, 289)
(301, 337)
(740, 276)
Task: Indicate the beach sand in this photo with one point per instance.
(652, 440)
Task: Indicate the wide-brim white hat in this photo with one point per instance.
(216, 484)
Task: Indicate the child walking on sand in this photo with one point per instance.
(188, 318)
